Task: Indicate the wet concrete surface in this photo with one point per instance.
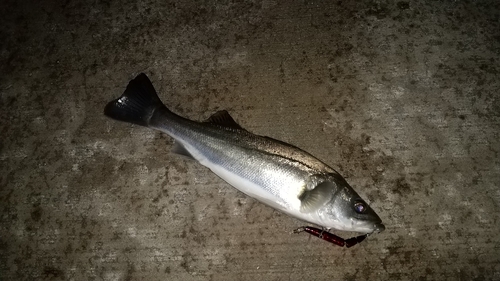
(402, 98)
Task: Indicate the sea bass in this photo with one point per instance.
(271, 171)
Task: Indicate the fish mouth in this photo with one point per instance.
(379, 227)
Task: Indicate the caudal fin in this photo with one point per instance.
(137, 104)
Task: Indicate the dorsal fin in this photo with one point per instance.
(223, 118)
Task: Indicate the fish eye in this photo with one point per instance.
(359, 207)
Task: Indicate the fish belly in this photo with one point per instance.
(275, 188)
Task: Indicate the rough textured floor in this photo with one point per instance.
(402, 98)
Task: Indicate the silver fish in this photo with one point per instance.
(271, 171)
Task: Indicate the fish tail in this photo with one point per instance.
(137, 104)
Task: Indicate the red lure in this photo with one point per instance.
(332, 238)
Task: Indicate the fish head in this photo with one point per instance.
(348, 211)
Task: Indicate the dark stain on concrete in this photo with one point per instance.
(402, 187)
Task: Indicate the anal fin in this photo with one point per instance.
(181, 150)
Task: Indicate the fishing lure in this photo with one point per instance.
(330, 237)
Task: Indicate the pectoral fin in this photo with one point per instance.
(312, 200)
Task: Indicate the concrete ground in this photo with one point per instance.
(401, 97)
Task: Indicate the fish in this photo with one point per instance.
(273, 172)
